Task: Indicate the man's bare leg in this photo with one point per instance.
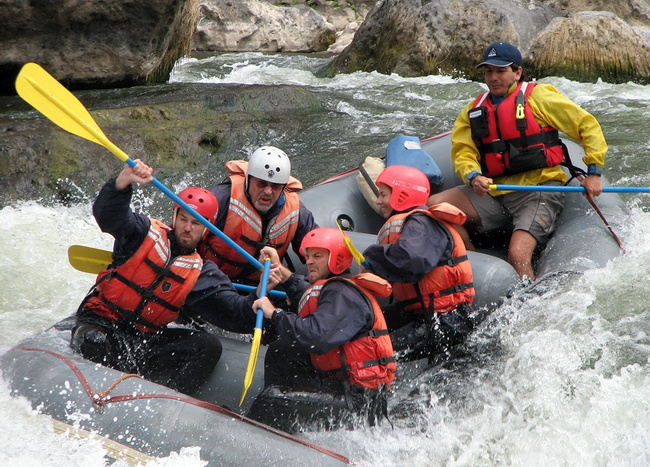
(520, 253)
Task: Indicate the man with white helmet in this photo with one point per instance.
(258, 206)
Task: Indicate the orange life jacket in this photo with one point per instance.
(368, 359)
(150, 287)
(244, 227)
(447, 285)
(509, 138)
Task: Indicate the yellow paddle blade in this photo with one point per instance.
(252, 362)
(38, 88)
(43, 92)
(356, 254)
(86, 259)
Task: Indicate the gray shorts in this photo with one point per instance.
(532, 211)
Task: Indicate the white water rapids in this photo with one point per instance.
(560, 377)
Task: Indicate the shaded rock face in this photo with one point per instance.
(419, 37)
(176, 128)
(98, 44)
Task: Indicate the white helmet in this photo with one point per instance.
(270, 164)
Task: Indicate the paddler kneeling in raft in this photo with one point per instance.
(157, 275)
(424, 258)
(334, 342)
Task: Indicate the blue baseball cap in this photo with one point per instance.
(501, 54)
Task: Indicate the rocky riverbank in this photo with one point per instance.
(122, 43)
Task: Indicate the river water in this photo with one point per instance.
(560, 377)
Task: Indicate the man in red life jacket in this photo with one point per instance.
(336, 341)
(258, 206)
(423, 257)
(509, 135)
(156, 275)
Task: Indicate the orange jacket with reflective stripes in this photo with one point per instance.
(244, 226)
(150, 287)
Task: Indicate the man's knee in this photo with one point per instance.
(90, 340)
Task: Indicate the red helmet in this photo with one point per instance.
(410, 186)
(330, 239)
(201, 200)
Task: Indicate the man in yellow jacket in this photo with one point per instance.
(509, 135)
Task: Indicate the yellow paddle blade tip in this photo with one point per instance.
(252, 362)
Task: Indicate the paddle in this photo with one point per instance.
(579, 189)
(257, 334)
(87, 259)
(356, 254)
(39, 89)
(94, 260)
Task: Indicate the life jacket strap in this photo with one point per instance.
(547, 138)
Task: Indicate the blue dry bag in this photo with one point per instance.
(406, 150)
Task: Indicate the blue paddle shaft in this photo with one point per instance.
(248, 288)
(246, 255)
(263, 286)
(579, 189)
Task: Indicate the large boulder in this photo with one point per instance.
(251, 25)
(590, 44)
(98, 44)
(420, 37)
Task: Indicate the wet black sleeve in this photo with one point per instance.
(341, 314)
(422, 245)
(113, 214)
(294, 287)
(214, 299)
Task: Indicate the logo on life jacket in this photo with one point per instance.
(165, 286)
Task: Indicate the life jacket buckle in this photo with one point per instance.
(519, 114)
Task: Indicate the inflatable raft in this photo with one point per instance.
(141, 418)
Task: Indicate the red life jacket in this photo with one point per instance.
(450, 283)
(150, 287)
(244, 226)
(509, 138)
(368, 359)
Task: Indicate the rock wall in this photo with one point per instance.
(250, 25)
(419, 37)
(98, 44)
(175, 127)
(278, 26)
